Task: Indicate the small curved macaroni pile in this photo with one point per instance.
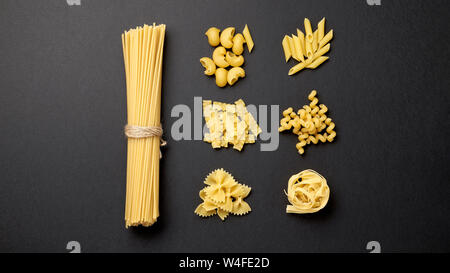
(222, 196)
(228, 52)
(308, 123)
(307, 192)
(229, 124)
(309, 48)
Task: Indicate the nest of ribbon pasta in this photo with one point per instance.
(308, 192)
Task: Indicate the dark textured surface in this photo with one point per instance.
(63, 107)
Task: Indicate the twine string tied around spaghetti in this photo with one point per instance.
(134, 131)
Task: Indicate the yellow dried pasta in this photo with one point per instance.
(308, 192)
(309, 49)
(223, 195)
(310, 123)
(229, 124)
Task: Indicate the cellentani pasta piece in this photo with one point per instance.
(309, 123)
(229, 124)
(223, 195)
(308, 192)
(248, 38)
(308, 49)
(143, 56)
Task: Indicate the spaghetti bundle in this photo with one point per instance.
(143, 52)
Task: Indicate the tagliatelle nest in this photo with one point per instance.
(307, 192)
(222, 196)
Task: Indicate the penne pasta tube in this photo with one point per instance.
(296, 68)
(315, 41)
(308, 31)
(326, 39)
(301, 36)
(322, 51)
(321, 29)
(298, 48)
(292, 47)
(309, 60)
(248, 38)
(308, 49)
(317, 62)
(286, 48)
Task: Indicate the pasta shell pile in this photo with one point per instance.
(228, 52)
(308, 123)
(309, 48)
(308, 192)
(229, 124)
(222, 196)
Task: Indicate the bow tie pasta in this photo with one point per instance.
(223, 195)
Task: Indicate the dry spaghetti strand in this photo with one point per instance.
(143, 54)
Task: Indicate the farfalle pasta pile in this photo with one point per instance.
(229, 124)
(307, 192)
(308, 123)
(223, 195)
(309, 48)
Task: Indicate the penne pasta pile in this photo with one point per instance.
(307, 48)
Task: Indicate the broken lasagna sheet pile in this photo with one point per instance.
(229, 124)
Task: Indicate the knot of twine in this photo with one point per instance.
(134, 131)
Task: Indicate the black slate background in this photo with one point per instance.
(63, 107)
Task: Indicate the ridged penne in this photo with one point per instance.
(315, 42)
(286, 48)
(298, 48)
(308, 30)
(301, 37)
(317, 62)
(326, 39)
(324, 50)
(296, 68)
(321, 29)
(309, 48)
